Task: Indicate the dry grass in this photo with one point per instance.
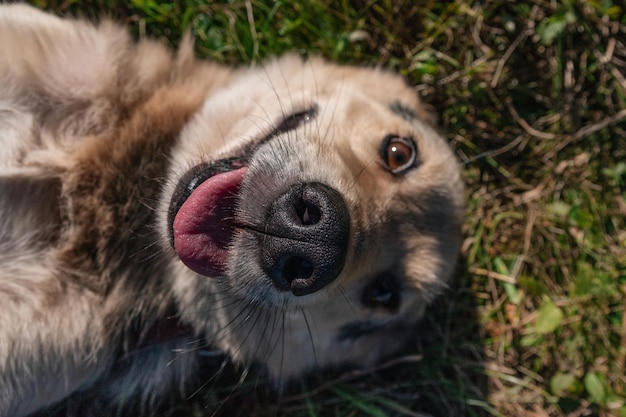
(533, 97)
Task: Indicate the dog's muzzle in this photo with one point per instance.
(301, 237)
(304, 240)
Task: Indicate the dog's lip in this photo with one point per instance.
(194, 177)
(201, 172)
(204, 224)
(207, 196)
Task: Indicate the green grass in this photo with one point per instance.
(532, 96)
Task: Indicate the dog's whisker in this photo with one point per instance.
(342, 291)
(311, 338)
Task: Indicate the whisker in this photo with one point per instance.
(311, 338)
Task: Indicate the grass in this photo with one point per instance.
(532, 97)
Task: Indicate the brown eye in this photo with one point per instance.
(398, 154)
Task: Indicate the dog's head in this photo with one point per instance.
(316, 212)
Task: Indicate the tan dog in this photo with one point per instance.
(299, 215)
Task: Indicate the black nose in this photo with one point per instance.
(307, 231)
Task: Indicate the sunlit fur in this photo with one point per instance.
(96, 130)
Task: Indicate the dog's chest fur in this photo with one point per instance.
(112, 189)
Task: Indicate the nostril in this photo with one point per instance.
(295, 267)
(307, 213)
(305, 237)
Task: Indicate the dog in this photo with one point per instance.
(297, 215)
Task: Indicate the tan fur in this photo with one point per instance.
(96, 132)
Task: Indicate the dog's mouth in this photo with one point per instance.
(202, 214)
(301, 234)
(301, 245)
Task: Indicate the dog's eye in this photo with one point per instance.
(398, 154)
(290, 122)
(383, 292)
(295, 120)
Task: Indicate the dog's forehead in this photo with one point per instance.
(290, 79)
(257, 100)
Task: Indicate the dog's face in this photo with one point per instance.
(314, 213)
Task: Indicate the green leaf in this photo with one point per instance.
(559, 209)
(549, 318)
(589, 280)
(514, 295)
(581, 218)
(614, 12)
(511, 290)
(529, 340)
(595, 387)
(561, 382)
(500, 266)
(617, 173)
(550, 30)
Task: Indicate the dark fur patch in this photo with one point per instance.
(403, 111)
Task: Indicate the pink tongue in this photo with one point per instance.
(203, 227)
